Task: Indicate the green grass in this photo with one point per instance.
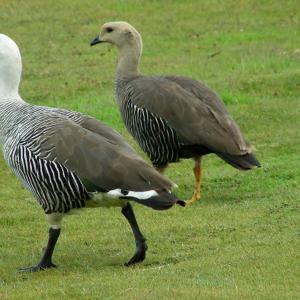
(241, 241)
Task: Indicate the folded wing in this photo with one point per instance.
(101, 162)
(195, 122)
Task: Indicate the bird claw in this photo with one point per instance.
(195, 198)
(138, 256)
(39, 267)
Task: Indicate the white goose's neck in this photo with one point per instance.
(10, 69)
(9, 93)
(129, 59)
(8, 98)
(9, 82)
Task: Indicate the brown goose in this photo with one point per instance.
(172, 117)
(70, 161)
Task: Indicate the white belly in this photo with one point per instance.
(105, 200)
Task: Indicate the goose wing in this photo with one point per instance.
(101, 162)
(195, 122)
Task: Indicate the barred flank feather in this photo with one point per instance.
(56, 188)
(153, 134)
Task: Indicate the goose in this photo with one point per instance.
(172, 117)
(70, 161)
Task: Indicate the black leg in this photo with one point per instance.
(161, 168)
(140, 241)
(46, 261)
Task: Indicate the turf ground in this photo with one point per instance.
(241, 241)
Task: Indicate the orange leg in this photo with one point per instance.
(197, 173)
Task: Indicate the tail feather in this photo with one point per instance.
(243, 162)
(162, 201)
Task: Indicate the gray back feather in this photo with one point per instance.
(195, 120)
(100, 157)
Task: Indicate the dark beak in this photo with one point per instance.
(96, 40)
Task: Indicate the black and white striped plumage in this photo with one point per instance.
(55, 186)
(153, 134)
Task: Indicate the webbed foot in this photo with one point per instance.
(139, 255)
(39, 267)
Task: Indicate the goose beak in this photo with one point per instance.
(96, 41)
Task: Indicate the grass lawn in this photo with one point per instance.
(241, 241)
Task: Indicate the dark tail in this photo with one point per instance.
(161, 202)
(243, 162)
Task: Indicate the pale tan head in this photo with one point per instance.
(129, 43)
(121, 34)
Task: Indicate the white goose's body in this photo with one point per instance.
(69, 160)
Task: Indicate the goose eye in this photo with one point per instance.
(109, 29)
